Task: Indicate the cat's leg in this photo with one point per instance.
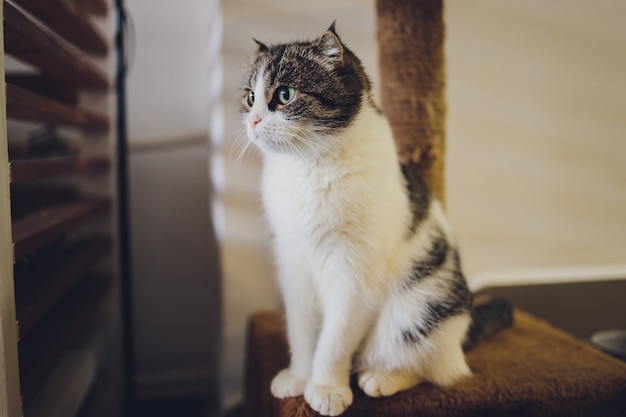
(347, 309)
(447, 365)
(303, 321)
(397, 355)
(329, 392)
(385, 363)
(441, 362)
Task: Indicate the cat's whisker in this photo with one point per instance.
(304, 140)
(240, 146)
(305, 133)
(241, 154)
(314, 145)
(295, 149)
(235, 147)
(309, 144)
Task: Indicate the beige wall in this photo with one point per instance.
(536, 134)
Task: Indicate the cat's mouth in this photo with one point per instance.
(264, 141)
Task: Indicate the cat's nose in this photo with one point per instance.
(254, 120)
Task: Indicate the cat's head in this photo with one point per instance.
(298, 96)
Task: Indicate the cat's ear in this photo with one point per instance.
(332, 27)
(261, 47)
(330, 45)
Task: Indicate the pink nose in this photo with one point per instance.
(254, 121)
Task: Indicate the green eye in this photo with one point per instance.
(250, 98)
(285, 94)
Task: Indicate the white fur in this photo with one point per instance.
(340, 215)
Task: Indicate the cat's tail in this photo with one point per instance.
(488, 317)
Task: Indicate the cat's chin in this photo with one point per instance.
(257, 140)
(269, 145)
(260, 141)
(265, 144)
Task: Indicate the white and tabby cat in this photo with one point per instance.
(367, 265)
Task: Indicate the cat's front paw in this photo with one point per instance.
(285, 384)
(328, 401)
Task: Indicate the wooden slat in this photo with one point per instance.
(60, 16)
(40, 351)
(27, 198)
(51, 88)
(35, 230)
(97, 7)
(53, 279)
(37, 169)
(23, 104)
(30, 43)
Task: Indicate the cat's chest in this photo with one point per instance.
(310, 199)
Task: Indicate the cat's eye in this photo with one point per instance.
(285, 94)
(250, 98)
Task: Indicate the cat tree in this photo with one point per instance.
(530, 369)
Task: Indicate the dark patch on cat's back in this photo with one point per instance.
(457, 302)
(457, 299)
(460, 291)
(427, 265)
(419, 197)
(436, 313)
(436, 257)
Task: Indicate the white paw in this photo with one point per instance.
(285, 385)
(377, 384)
(384, 384)
(328, 401)
(446, 376)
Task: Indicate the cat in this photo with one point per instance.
(367, 265)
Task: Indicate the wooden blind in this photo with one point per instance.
(57, 147)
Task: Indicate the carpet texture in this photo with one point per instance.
(529, 369)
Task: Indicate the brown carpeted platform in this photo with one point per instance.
(530, 369)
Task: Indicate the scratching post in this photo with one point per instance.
(412, 79)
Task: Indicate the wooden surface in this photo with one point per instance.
(52, 88)
(63, 18)
(27, 198)
(45, 345)
(30, 43)
(36, 230)
(97, 7)
(43, 285)
(46, 276)
(25, 105)
(46, 168)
